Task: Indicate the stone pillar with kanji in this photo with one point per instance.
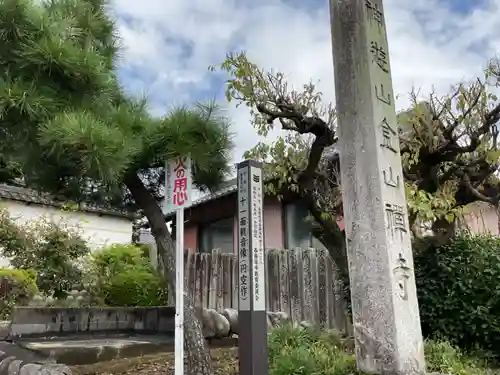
(387, 332)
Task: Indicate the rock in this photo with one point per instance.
(4, 328)
(269, 322)
(4, 365)
(30, 369)
(214, 324)
(277, 318)
(222, 326)
(232, 317)
(283, 317)
(305, 324)
(37, 300)
(207, 323)
(349, 344)
(14, 367)
(54, 369)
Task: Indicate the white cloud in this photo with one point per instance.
(173, 42)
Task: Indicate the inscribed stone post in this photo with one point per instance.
(252, 316)
(386, 319)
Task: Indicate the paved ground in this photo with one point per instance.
(225, 361)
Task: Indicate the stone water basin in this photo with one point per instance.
(87, 350)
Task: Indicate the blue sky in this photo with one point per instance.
(168, 46)
(465, 6)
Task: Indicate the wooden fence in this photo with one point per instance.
(301, 283)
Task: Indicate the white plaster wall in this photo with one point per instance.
(97, 230)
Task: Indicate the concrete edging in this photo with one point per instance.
(42, 321)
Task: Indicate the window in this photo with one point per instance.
(218, 235)
(298, 228)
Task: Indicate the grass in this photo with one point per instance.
(442, 357)
(298, 351)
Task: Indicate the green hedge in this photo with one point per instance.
(21, 289)
(121, 275)
(459, 290)
(135, 286)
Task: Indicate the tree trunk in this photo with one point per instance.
(198, 357)
(443, 231)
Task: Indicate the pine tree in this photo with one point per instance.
(66, 121)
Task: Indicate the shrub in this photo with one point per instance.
(301, 351)
(51, 249)
(113, 259)
(26, 278)
(135, 286)
(145, 249)
(120, 275)
(459, 291)
(305, 351)
(443, 358)
(17, 287)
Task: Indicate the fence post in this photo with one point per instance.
(213, 275)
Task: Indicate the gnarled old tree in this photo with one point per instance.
(66, 122)
(449, 148)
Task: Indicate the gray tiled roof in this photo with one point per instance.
(227, 188)
(22, 194)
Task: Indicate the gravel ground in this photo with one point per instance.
(225, 362)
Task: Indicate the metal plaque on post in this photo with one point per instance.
(178, 190)
(252, 316)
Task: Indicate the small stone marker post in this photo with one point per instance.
(386, 319)
(252, 316)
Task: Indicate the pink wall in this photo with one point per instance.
(481, 218)
(273, 225)
(191, 236)
(214, 210)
